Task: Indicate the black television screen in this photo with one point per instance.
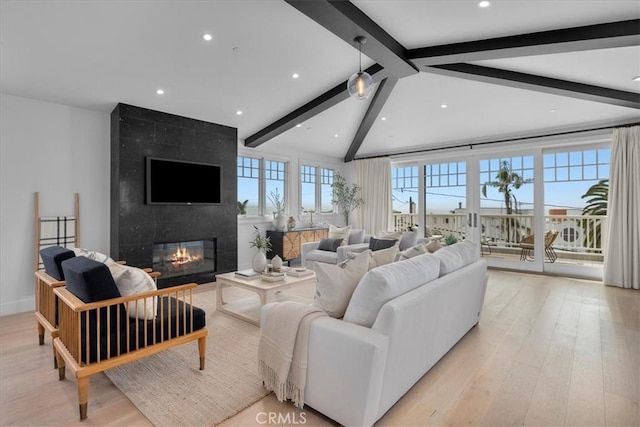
(181, 182)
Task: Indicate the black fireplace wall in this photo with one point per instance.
(139, 132)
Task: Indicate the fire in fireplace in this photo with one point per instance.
(173, 259)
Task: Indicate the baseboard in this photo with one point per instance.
(19, 306)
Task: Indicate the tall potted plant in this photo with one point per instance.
(346, 198)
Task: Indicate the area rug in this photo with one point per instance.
(170, 390)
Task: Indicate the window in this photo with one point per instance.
(316, 192)
(404, 183)
(257, 178)
(249, 183)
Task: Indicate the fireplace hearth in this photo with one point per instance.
(187, 258)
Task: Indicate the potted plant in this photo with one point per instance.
(279, 218)
(346, 198)
(242, 207)
(450, 239)
(263, 244)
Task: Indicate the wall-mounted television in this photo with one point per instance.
(178, 182)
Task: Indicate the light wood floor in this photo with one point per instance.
(547, 351)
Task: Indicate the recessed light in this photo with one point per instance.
(295, 75)
(207, 37)
(484, 4)
(553, 110)
(444, 106)
(239, 112)
(160, 91)
(636, 79)
(383, 118)
(298, 125)
(336, 135)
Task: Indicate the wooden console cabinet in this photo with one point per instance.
(286, 244)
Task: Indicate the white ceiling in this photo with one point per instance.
(93, 54)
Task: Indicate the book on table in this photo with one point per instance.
(299, 272)
(248, 274)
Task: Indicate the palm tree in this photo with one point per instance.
(596, 205)
(506, 181)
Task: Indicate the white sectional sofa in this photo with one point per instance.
(401, 319)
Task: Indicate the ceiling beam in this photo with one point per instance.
(539, 84)
(323, 102)
(346, 21)
(589, 37)
(382, 94)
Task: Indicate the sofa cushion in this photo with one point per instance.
(94, 255)
(376, 244)
(329, 244)
(89, 280)
(322, 256)
(450, 260)
(339, 233)
(408, 240)
(52, 258)
(385, 283)
(396, 235)
(335, 283)
(383, 256)
(413, 251)
(468, 251)
(131, 281)
(356, 236)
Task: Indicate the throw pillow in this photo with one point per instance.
(131, 281)
(339, 233)
(335, 283)
(329, 244)
(356, 237)
(383, 256)
(96, 256)
(408, 239)
(383, 284)
(416, 250)
(378, 244)
(433, 246)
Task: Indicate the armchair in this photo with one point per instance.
(96, 330)
(309, 252)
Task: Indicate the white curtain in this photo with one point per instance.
(374, 178)
(622, 258)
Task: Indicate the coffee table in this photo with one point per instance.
(261, 287)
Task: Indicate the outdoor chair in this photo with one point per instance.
(98, 329)
(527, 246)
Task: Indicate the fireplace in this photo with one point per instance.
(187, 258)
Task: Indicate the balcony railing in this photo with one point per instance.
(576, 233)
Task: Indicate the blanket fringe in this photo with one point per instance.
(284, 390)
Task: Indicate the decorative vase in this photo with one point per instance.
(279, 221)
(259, 262)
(276, 263)
(291, 223)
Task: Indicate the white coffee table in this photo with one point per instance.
(261, 287)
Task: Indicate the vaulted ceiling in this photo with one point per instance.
(508, 70)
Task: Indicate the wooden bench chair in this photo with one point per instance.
(96, 331)
(52, 277)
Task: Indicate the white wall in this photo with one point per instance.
(57, 151)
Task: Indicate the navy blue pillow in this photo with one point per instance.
(52, 258)
(378, 244)
(329, 244)
(89, 280)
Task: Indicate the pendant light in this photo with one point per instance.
(360, 84)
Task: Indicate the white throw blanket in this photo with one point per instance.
(283, 348)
